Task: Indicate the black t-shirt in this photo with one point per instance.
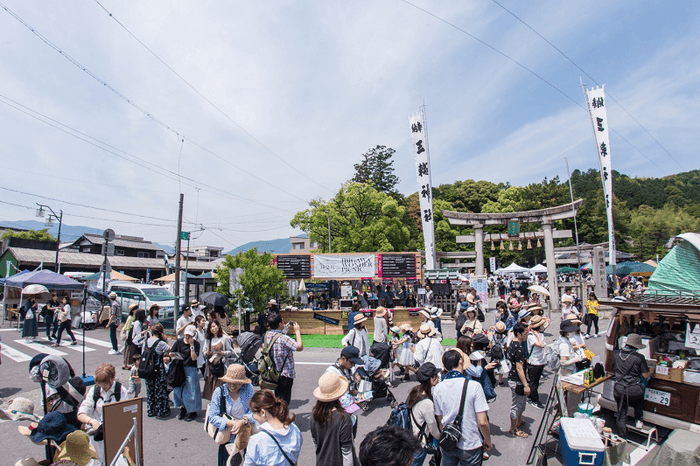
(53, 304)
(629, 367)
(516, 354)
(182, 348)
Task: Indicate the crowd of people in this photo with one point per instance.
(454, 390)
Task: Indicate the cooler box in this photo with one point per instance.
(580, 443)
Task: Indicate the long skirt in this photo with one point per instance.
(30, 329)
(129, 351)
(189, 393)
(210, 384)
(157, 394)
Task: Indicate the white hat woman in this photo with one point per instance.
(232, 399)
(331, 427)
(357, 336)
(429, 348)
(380, 325)
(472, 326)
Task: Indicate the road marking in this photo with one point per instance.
(41, 348)
(314, 363)
(8, 330)
(94, 341)
(15, 355)
(78, 347)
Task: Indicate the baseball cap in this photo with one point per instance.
(190, 330)
(352, 353)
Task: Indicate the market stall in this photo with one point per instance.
(332, 321)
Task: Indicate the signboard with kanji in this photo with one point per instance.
(513, 228)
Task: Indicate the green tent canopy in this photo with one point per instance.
(680, 269)
(625, 268)
(567, 269)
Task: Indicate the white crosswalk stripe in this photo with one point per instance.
(16, 356)
(39, 348)
(44, 346)
(94, 341)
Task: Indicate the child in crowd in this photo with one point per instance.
(134, 380)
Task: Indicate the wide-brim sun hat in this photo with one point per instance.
(573, 319)
(426, 331)
(112, 295)
(471, 310)
(359, 319)
(568, 327)
(77, 449)
(567, 299)
(635, 341)
(20, 409)
(524, 314)
(235, 374)
(395, 329)
(470, 298)
(133, 306)
(331, 387)
(380, 312)
(536, 322)
(425, 313)
(436, 312)
(464, 305)
(53, 426)
(500, 327)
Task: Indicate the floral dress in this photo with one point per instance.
(157, 396)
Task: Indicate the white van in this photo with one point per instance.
(145, 296)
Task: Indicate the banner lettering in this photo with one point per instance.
(350, 266)
(425, 190)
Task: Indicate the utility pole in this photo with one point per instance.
(573, 209)
(177, 261)
(49, 222)
(330, 249)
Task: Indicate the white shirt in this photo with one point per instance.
(181, 322)
(447, 396)
(359, 340)
(536, 353)
(380, 329)
(94, 410)
(429, 350)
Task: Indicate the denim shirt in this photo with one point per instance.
(476, 372)
(246, 393)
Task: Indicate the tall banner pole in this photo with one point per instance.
(419, 135)
(595, 102)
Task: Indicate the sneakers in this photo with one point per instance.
(113, 352)
(191, 417)
(485, 456)
(183, 413)
(56, 345)
(75, 342)
(537, 405)
(639, 424)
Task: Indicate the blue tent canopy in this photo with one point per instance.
(3, 280)
(51, 280)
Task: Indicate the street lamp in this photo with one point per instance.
(49, 223)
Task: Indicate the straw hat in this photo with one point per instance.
(426, 331)
(471, 309)
(425, 313)
(380, 312)
(27, 462)
(112, 295)
(470, 298)
(359, 319)
(331, 386)
(500, 327)
(235, 374)
(436, 312)
(574, 319)
(536, 322)
(406, 327)
(77, 449)
(133, 306)
(534, 309)
(567, 299)
(395, 329)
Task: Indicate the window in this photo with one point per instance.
(119, 252)
(143, 254)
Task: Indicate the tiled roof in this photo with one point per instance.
(120, 242)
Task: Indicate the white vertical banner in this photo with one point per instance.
(595, 98)
(425, 186)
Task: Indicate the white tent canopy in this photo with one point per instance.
(539, 268)
(512, 268)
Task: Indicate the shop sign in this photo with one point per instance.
(345, 266)
(326, 319)
(657, 396)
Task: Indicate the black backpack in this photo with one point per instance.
(460, 320)
(176, 373)
(149, 368)
(97, 393)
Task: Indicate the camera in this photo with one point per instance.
(291, 323)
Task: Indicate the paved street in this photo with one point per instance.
(187, 443)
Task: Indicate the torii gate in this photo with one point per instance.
(544, 216)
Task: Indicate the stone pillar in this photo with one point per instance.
(479, 248)
(551, 266)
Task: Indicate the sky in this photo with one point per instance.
(110, 109)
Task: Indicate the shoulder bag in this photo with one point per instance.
(291, 463)
(222, 437)
(452, 433)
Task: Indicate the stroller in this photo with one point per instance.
(376, 375)
(246, 354)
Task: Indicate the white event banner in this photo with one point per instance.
(425, 185)
(347, 266)
(595, 98)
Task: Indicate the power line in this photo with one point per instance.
(526, 69)
(591, 78)
(209, 101)
(170, 174)
(144, 111)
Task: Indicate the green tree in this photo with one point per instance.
(377, 170)
(260, 281)
(362, 219)
(40, 235)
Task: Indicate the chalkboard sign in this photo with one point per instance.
(398, 265)
(295, 266)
